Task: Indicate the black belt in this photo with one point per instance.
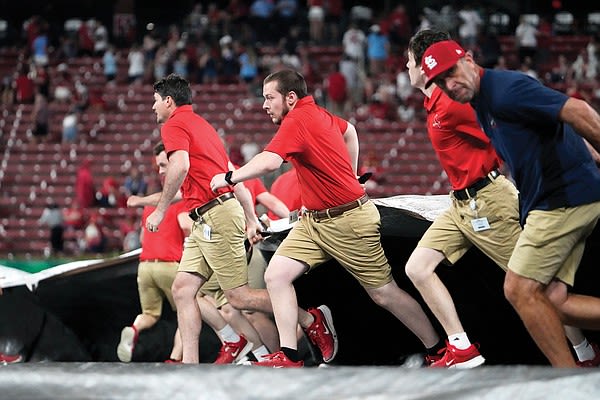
(197, 212)
(339, 210)
(472, 190)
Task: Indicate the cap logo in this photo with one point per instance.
(459, 52)
(430, 62)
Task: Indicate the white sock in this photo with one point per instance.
(260, 351)
(228, 334)
(584, 351)
(459, 340)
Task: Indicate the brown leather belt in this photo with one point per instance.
(339, 210)
(197, 212)
(472, 190)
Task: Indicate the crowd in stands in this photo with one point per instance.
(243, 41)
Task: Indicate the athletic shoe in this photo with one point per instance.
(233, 351)
(431, 359)
(457, 358)
(594, 362)
(277, 360)
(322, 332)
(129, 338)
(10, 359)
(172, 361)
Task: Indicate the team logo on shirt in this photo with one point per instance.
(436, 122)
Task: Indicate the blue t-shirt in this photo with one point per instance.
(549, 162)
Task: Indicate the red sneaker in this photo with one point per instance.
(594, 362)
(129, 337)
(432, 359)
(10, 359)
(457, 358)
(322, 332)
(173, 361)
(233, 351)
(277, 360)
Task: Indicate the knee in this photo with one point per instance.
(557, 294)
(236, 297)
(518, 289)
(274, 278)
(417, 273)
(181, 290)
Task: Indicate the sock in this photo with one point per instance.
(433, 351)
(292, 354)
(584, 351)
(459, 340)
(260, 351)
(228, 334)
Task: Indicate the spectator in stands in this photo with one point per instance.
(74, 216)
(248, 61)
(489, 49)
(336, 88)
(470, 23)
(70, 130)
(94, 238)
(135, 183)
(354, 81)
(397, 26)
(354, 42)
(110, 194)
(7, 92)
(378, 47)
(135, 72)
(62, 84)
(39, 47)
(129, 230)
(85, 193)
(100, 37)
(260, 18)
(24, 86)
(316, 20)
(85, 41)
(52, 217)
(526, 39)
(40, 117)
(540, 134)
(109, 61)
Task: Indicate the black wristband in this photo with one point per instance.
(228, 178)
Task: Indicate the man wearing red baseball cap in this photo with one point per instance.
(538, 132)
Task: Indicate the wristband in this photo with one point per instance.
(228, 178)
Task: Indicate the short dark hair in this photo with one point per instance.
(288, 81)
(175, 86)
(423, 39)
(158, 148)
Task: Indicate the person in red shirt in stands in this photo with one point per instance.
(84, 185)
(336, 90)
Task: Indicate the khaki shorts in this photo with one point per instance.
(452, 233)
(154, 280)
(220, 251)
(352, 239)
(256, 279)
(552, 243)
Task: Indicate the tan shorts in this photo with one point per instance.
(216, 245)
(552, 243)
(452, 233)
(352, 239)
(154, 280)
(256, 279)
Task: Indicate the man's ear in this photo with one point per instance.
(291, 98)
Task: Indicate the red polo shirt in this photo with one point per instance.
(186, 130)
(166, 244)
(463, 149)
(312, 139)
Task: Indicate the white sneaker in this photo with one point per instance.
(125, 348)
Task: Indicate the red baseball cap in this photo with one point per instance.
(439, 58)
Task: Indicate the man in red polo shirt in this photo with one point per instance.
(484, 211)
(216, 244)
(341, 222)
